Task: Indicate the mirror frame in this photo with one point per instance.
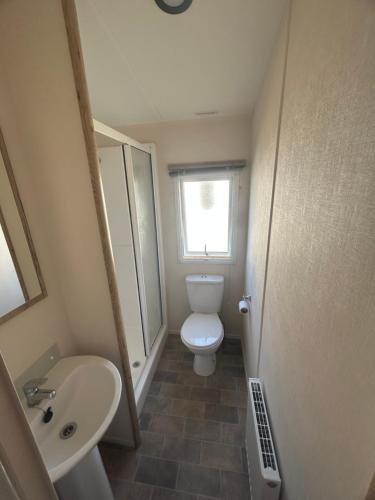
(28, 302)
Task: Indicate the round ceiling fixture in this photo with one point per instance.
(174, 6)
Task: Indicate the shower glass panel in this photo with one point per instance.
(141, 178)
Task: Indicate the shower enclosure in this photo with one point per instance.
(130, 192)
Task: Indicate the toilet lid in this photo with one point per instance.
(202, 330)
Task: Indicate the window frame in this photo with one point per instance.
(213, 257)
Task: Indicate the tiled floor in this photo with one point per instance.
(192, 433)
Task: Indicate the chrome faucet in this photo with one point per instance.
(34, 395)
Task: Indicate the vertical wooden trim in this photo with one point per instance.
(72, 28)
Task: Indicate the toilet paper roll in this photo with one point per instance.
(243, 306)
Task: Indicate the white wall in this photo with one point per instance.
(37, 66)
(318, 342)
(195, 141)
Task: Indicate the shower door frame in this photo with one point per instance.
(129, 168)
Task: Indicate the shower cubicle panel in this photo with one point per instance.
(113, 178)
(140, 181)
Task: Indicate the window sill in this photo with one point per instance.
(206, 260)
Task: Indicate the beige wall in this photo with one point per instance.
(195, 141)
(26, 336)
(55, 178)
(318, 342)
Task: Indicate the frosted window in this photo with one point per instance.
(206, 213)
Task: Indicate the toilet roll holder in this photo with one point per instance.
(243, 305)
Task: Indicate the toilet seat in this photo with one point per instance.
(202, 331)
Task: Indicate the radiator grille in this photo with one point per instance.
(268, 454)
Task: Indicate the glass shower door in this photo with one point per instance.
(142, 205)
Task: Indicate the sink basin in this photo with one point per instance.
(88, 390)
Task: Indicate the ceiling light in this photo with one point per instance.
(174, 6)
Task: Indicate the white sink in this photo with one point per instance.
(88, 390)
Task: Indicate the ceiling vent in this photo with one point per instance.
(206, 113)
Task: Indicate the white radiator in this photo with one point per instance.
(264, 475)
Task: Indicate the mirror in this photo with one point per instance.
(21, 283)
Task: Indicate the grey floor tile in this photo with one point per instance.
(202, 429)
(205, 394)
(234, 371)
(157, 404)
(174, 343)
(230, 360)
(191, 379)
(144, 421)
(164, 494)
(126, 490)
(167, 424)
(233, 434)
(176, 355)
(152, 444)
(231, 346)
(220, 381)
(245, 468)
(176, 391)
(119, 462)
(163, 364)
(181, 449)
(199, 480)
(154, 389)
(157, 472)
(242, 414)
(235, 485)
(242, 384)
(222, 456)
(179, 347)
(173, 338)
(234, 398)
(185, 366)
(165, 376)
(221, 413)
(187, 408)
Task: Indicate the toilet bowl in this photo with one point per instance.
(202, 331)
(202, 334)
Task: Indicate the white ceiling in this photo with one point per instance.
(144, 65)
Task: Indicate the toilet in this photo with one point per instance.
(203, 332)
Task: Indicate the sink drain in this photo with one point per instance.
(68, 430)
